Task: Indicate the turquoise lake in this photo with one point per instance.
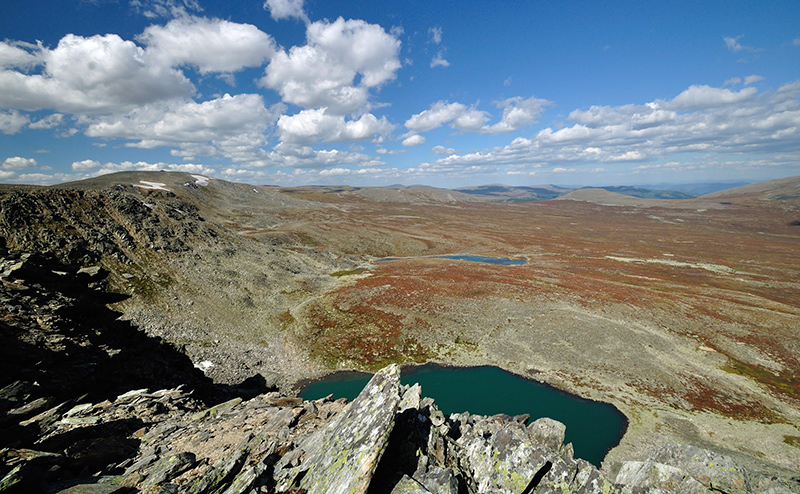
(593, 428)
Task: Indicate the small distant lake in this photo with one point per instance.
(593, 427)
(503, 261)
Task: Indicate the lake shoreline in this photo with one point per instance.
(595, 427)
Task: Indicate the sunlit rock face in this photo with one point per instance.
(354, 442)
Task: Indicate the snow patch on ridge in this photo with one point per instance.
(201, 180)
(205, 365)
(152, 185)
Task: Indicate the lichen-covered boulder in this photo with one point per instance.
(499, 454)
(649, 474)
(499, 460)
(407, 485)
(547, 433)
(712, 469)
(354, 442)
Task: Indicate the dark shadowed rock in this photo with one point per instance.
(440, 481)
(217, 475)
(94, 488)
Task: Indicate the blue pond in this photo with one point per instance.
(593, 428)
(503, 261)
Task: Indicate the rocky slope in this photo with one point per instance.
(784, 189)
(683, 314)
(188, 259)
(83, 412)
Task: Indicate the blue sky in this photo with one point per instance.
(447, 93)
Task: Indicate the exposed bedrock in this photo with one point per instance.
(388, 440)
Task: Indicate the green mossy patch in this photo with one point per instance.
(787, 385)
(347, 272)
(792, 441)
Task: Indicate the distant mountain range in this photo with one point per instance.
(512, 194)
(697, 189)
(504, 193)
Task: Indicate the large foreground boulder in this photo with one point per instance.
(354, 442)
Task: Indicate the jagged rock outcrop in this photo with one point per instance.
(354, 442)
(84, 225)
(685, 468)
(165, 441)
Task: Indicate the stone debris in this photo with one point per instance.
(273, 443)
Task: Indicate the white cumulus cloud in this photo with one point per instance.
(86, 165)
(437, 115)
(16, 54)
(517, 113)
(707, 97)
(12, 121)
(211, 45)
(472, 120)
(323, 72)
(443, 151)
(414, 140)
(701, 119)
(231, 126)
(311, 126)
(92, 75)
(48, 122)
(439, 61)
(288, 155)
(16, 163)
(285, 9)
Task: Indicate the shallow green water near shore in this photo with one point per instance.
(593, 428)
